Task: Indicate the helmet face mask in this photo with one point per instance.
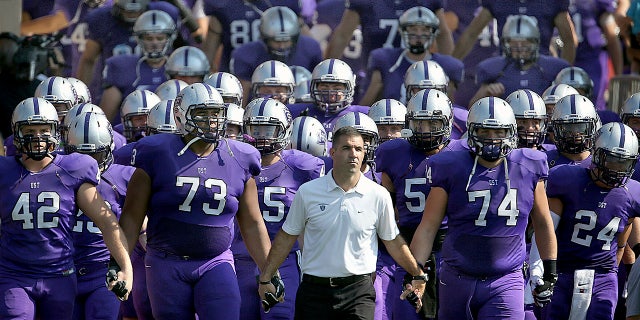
(135, 108)
(491, 127)
(35, 128)
(615, 155)
(267, 123)
(155, 31)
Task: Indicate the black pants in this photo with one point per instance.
(353, 301)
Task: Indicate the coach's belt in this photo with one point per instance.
(334, 281)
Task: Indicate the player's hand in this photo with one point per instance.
(118, 281)
(271, 292)
(495, 89)
(542, 290)
(413, 290)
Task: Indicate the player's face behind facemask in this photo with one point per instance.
(279, 93)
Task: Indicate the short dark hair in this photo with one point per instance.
(348, 131)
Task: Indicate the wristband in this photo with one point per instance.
(264, 282)
(550, 269)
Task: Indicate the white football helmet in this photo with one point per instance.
(524, 31)
(429, 120)
(137, 103)
(279, 24)
(273, 73)
(574, 123)
(387, 112)
(555, 92)
(77, 110)
(169, 89)
(630, 109)
(491, 113)
(35, 111)
(527, 104)
(267, 123)
(235, 117)
(200, 111)
(367, 129)
(59, 92)
(91, 133)
(83, 94)
(425, 75)
(161, 120)
(615, 155)
(155, 22)
(187, 61)
(332, 71)
(419, 16)
(227, 85)
(309, 135)
(577, 78)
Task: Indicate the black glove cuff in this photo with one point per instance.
(550, 270)
(636, 250)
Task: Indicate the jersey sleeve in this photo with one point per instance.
(81, 167)
(558, 181)
(110, 73)
(437, 171)
(376, 60)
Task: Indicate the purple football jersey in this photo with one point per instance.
(87, 239)
(329, 119)
(591, 54)
(115, 37)
(537, 78)
(393, 64)
(400, 160)
(328, 16)
(555, 158)
(486, 46)
(37, 8)
(487, 224)
(277, 185)
(379, 20)
(246, 58)
(591, 218)
(130, 72)
(75, 35)
(544, 12)
(38, 212)
(122, 156)
(240, 21)
(194, 199)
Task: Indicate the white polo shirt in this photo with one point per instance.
(341, 229)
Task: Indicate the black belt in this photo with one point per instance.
(334, 282)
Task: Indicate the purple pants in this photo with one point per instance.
(180, 288)
(251, 308)
(603, 298)
(384, 286)
(52, 297)
(94, 301)
(466, 297)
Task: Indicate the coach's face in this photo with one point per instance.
(347, 153)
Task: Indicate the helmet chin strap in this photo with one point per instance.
(186, 146)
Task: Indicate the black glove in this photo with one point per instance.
(120, 288)
(412, 298)
(271, 299)
(544, 287)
